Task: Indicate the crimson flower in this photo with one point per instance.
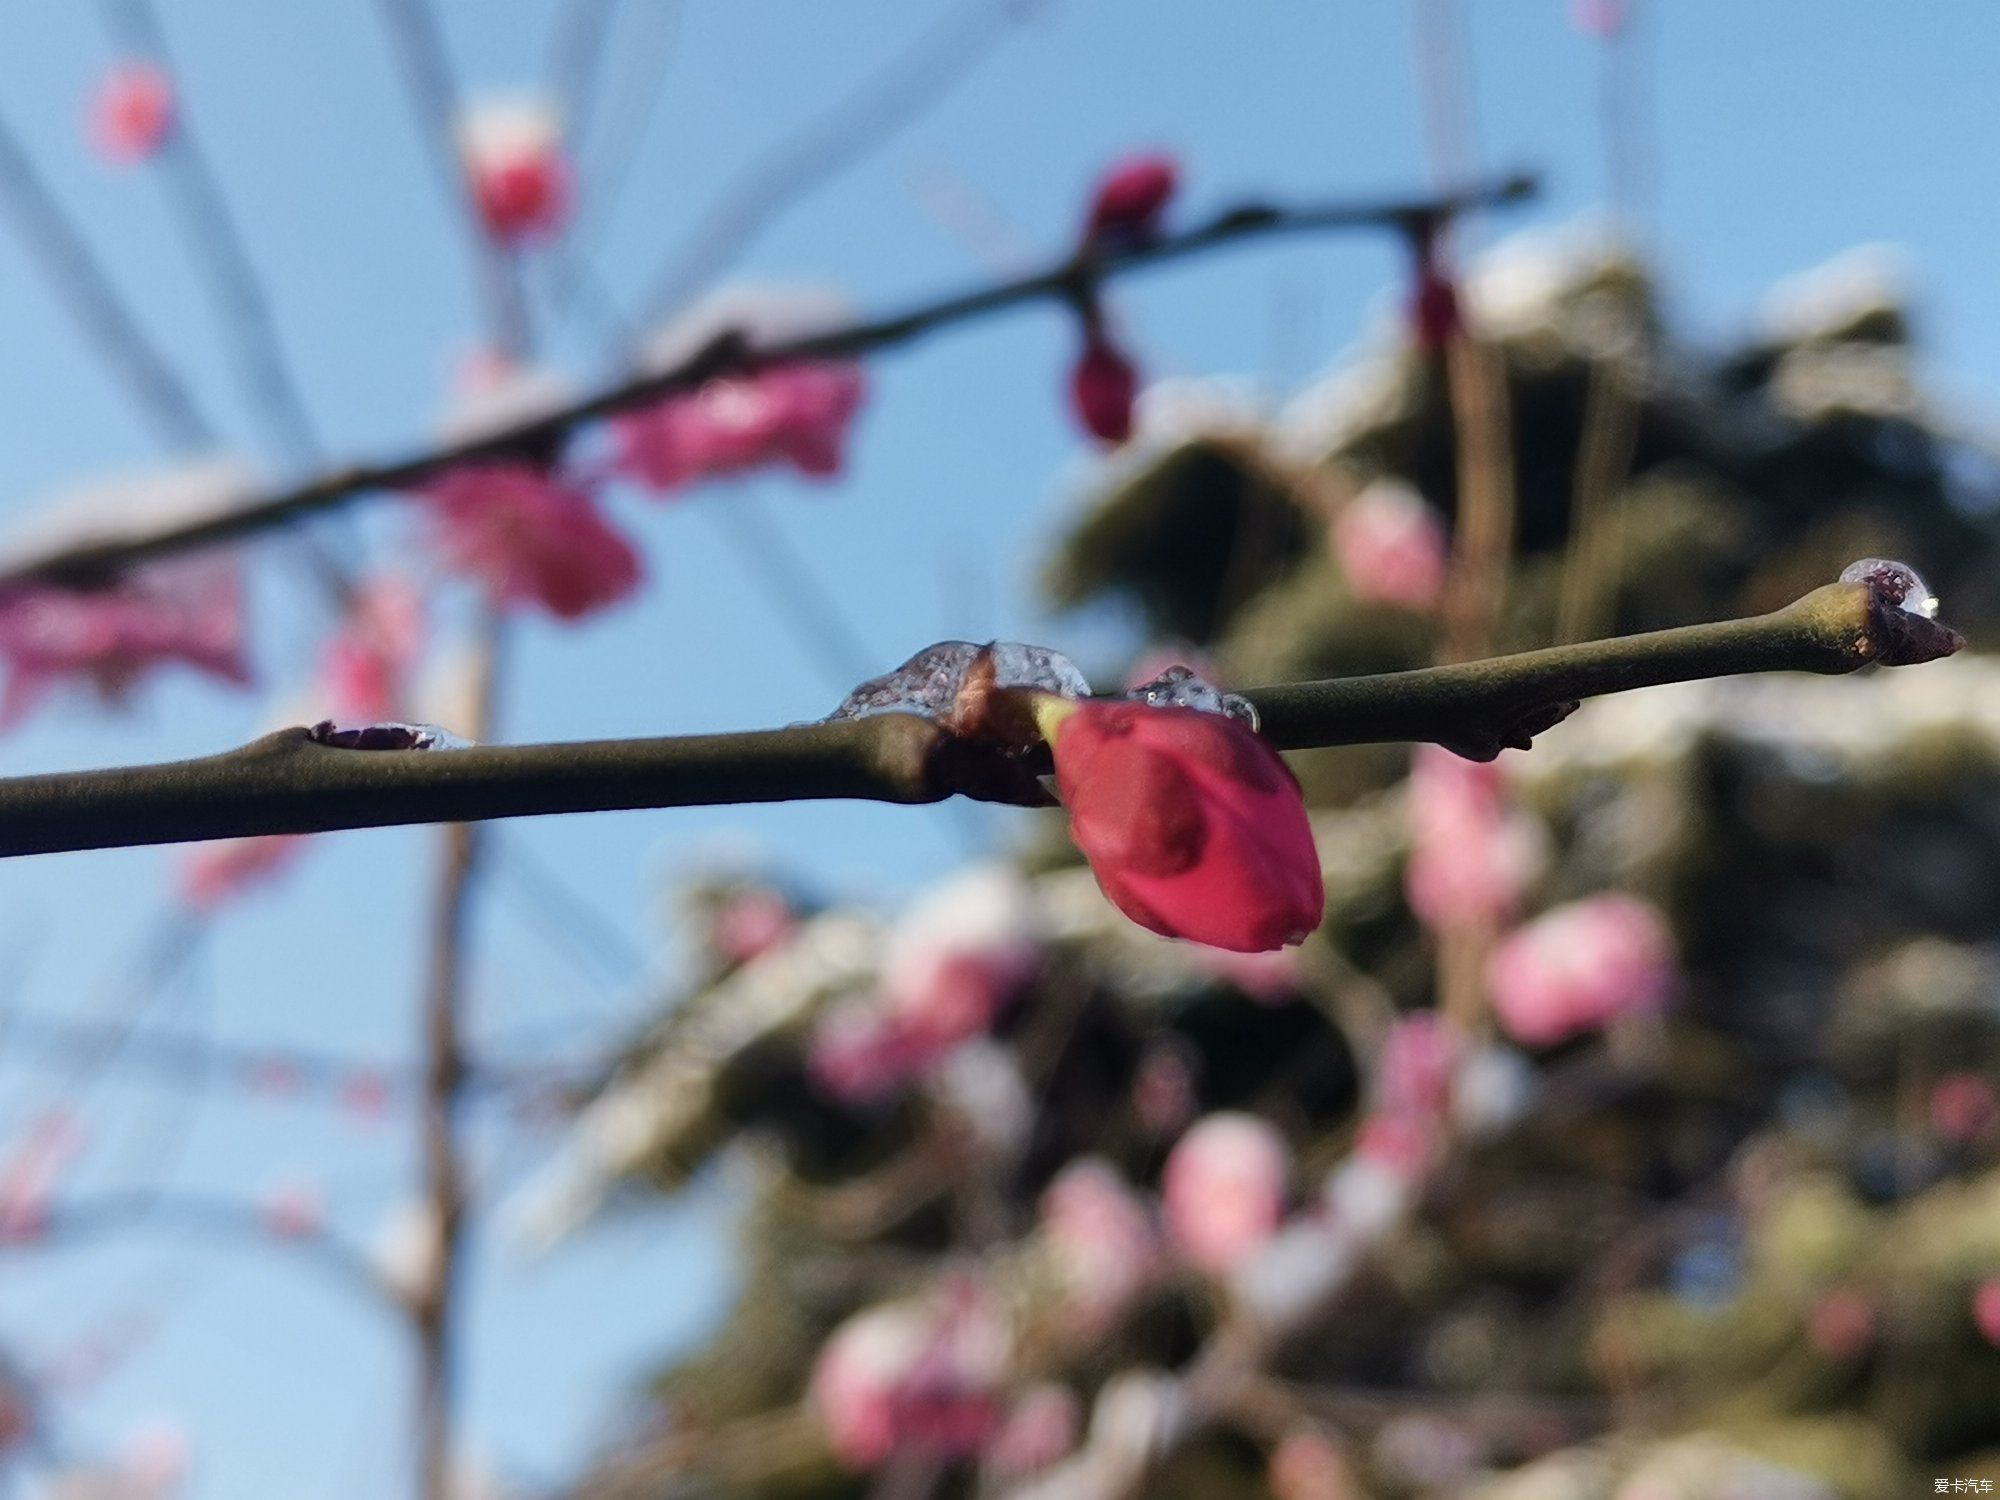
(1102, 388)
(1130, 199)
(133, 113)
(1193, 825)
(530, 537)
(514, 161)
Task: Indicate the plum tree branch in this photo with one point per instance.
(93, 562)
(292, 782)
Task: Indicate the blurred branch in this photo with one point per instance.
(1062, 281)
(434, 1307)
(290, 782)
(64, 256)
(121, 1213)
(195, 189)
(427, 74)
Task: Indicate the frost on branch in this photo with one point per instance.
(932, 683)
(390, 736)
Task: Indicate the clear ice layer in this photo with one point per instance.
(1182, 687)
(390, 736)
(928, 684)
(1896, 583)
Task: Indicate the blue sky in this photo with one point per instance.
(1781, 133)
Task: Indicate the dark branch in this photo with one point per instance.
(85, 565)
(290, 783)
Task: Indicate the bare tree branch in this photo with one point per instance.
(93, 562)
(290, 782)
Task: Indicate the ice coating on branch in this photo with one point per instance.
(759, 314)
(389, 736)
(929, 683)
(1905, 615)
(1183, 687)
(1894, 583)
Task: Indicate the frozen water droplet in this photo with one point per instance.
(1894, 583)
(387, 736)
(928, 684)
(1182, 687)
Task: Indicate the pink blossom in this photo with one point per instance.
(29, 1180)
(275, 1077)
(1392, 547)
(1224, 1189)
(859, 1056)
(1309, 1465)
(1101, 1239)
(752, 922)
(1103, 387)
(293, 1211)
(1471, 858)
(132, 115)
(796, 414)
(214, 873)
(1414, 1073)
(1163, 1089)
(184, 611)
(520, 177)
(1602, 19)
(530, 538)
(1581, 967)
(1842, 1325)
(366, 665)
(1986, 1310)
(919, 1377)
(1130, 198)
(1963, 1107)
(365, 1096)
(1040, 1430)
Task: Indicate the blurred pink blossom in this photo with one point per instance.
(1129, 199)
(1102, 1240)
(31, 1176)
(366, 665)
(1103, 386)
(365, 1096)
(859, 1056)
(514, 160)
(1842, 1324)
(918, 1377)
(796, 414)
(752, 922)
(212, 874)
(530, 537)
(1163, 1089)
(1471, 857)
(1392, 547)
(1603, 19)
(1414, 1072)
(1309, 1465)
(1963, 1107)
(1986, 1310)
(1224, 1189)
(186, 611)
(1040, 1430)
(1580, 967)
(275, 1077)
(132, 113)
(293, 1210)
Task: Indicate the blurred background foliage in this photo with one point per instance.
(1738, 1249)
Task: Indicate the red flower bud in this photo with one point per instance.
(1193, 825)
(1130, 199)
(1102, 388)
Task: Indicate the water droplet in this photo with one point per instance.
(386, 736)
(928, 684)
(1182, 687)
(1894, 583)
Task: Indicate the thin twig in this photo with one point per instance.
(427, 74)
(289, 782)
(918, 78)
(221, 255)
(81, 282)
(94, 561)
